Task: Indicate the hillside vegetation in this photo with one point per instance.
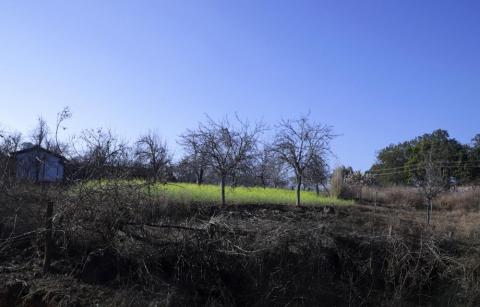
(404, 163)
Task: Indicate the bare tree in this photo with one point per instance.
(298, 142)
(40, 137)
(278, 174)
(62, 116)
(196, 154)
(152, 151)
(9, 142)
(104, 154)
(243, 174)
(262, 167)
(268, 169)
(227, 147)
(431, 182)
(183, 171)
(40, 133)
(317, 173)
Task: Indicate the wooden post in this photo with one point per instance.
(48, 236)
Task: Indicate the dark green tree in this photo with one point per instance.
(403, 163)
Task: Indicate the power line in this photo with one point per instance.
(440, 163)
(417, 169)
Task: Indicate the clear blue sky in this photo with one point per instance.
(378, 71)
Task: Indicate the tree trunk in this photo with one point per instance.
(299, 187)
(200, 177)
(317, 189)
(222, 187)
(48, 236)
(154, 172)
(234, 181)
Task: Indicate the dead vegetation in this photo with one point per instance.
(117, 246)
(412, 198)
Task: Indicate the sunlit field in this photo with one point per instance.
(186, 193)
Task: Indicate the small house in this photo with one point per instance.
(37, 164)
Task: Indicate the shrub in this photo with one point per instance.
(337, 183)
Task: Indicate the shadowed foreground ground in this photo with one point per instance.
(114, 249)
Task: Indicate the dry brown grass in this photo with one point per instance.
(118, 245)
(411, 197)
(466, 199)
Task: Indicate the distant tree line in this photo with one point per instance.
(224, 152)
(411, 162)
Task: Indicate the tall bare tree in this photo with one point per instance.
(196, 155)
(152, 151)
(227, 147)
(431, 181)
(40, 133)
(62, 116)
(298, 142)
(263, 166)
(41, 137)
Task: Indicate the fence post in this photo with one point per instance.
(48, 236)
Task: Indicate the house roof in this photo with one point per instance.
(37, 148)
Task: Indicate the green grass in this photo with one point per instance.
(186, 193)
